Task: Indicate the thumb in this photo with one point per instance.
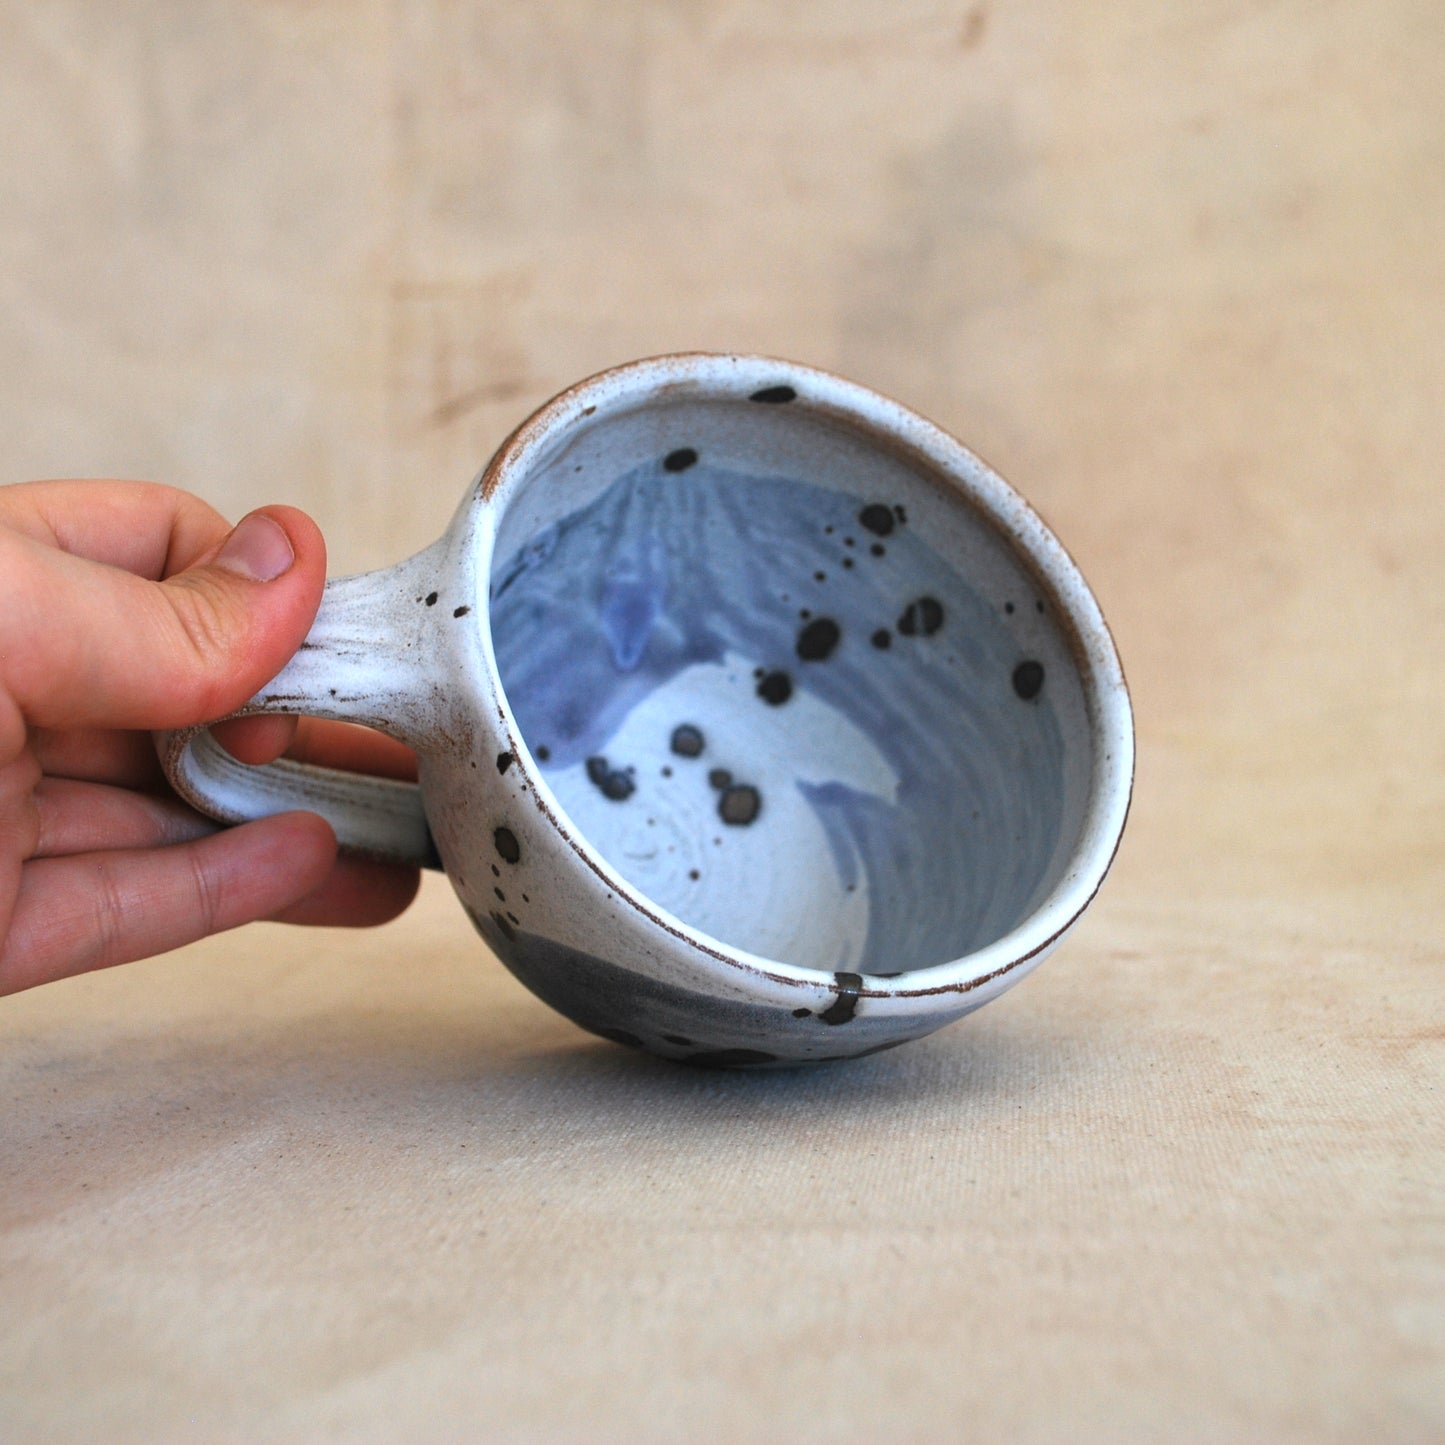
(86, 644)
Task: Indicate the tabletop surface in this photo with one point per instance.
(1176, 272)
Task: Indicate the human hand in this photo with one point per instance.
(127, 607)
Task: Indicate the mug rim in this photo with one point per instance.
(702, 375)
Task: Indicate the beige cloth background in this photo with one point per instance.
(1176, 269)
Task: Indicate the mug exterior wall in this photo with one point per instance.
(573, 931)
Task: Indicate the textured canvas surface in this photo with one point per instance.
(1175, 271)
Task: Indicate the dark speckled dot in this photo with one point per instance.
(877, 518)
(460, 611)
(431, 599)
(504, 761)
(842, 1009)
(543, 753)
(802, 1013)
(739, 804)
(818, 639)
(882, 639)
(614, 783)
(680, 460)
(774, 395)
(775, 688)
(848, 562)
(719, 778)
(921, 618)
(505, 928)
(508, 848)
(820, 576)
(1008, 607)
(693, 874)
(687, 741)
(1028, 679)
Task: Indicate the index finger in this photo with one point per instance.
(146, 528)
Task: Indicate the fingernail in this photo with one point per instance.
(258, 549)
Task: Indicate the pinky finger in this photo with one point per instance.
(94, 910)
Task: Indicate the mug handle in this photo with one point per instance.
(364, 661)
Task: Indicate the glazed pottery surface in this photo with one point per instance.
(758, 721)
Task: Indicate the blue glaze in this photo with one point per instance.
(664, 571)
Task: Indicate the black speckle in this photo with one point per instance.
(847, 561)
(680, 460)
(878, 549)
(1008, 607)
(588, 410)
(828, 530)
(802, 1013)
(509, 850)
(719, 778)
(496, 872)
(461, 611)
(804, 613)
(678, 1039)
(543, 753)
(501, 897)
(506, 929)
(687, 741)
(842, 1009)
(513, 917)
(693, 874)
(666, 771)
(820, 576)
(739, 804)
(431, 599)
(882, 639)
(504, 761)
(621, 1036)
(775, 688)
(1028, 679)
(1039, 606)
(900, 514)
(615, 783)
(818, 639)
(877, 519)
(732, 1058)
(774, 395)
(921, 618)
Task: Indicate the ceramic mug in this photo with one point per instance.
(757, 720)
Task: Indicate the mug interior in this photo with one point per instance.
(789, 680)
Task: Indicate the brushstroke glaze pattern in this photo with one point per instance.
(781, 715)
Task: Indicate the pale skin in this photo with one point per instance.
(127, 607)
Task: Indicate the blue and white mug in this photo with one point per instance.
(758, 721)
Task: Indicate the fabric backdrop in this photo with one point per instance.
(1174, 269)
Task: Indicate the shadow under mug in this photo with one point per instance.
(757, 720)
